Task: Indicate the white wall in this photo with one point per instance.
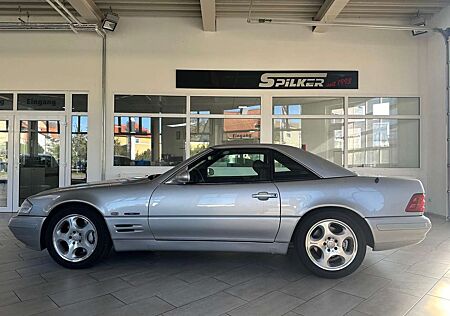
(36, 61)
(143, 54)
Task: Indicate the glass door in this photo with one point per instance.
(6, 135)
(40, 151)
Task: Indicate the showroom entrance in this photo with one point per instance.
(43, 143)
(32, 156)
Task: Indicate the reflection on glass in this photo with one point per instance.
(206, 132)
(39, 157)
(149, 141)
(323, 137)
(384, 143)
(79, 149)
(149, 104)
(41, 102)
(383, 106)
(226, 105)
(3, 163)
(308, 106)
(6, 101)
(79, 102)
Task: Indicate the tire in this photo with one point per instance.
(85, 230)
(344, 244)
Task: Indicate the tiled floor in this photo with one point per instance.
(414, 280)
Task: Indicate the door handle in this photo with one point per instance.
(264, 196)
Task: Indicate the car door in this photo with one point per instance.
(229, 197)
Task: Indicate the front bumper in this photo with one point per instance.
(395, 232)
(27, 229)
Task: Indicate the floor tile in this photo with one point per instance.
(410, 283)
(102, 305)
(441, 289)
(88, 291)
(28, 308)
(15, 284)
(193, 291)
(242, 274)
(272, 304)
(388, 302)
(217, 304)
(44, 289)
(329, 303)
(404, 257)
(429, 268)
(432, 306)
(8, 298)
(362, 284)
(309, 287)
(148, 307)
(152, 288)
(386, 269)
(255, 288)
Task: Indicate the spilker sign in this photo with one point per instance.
(230, 79)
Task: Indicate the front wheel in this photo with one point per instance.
(330, 244)
(77, 238)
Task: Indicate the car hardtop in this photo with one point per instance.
(315, 163)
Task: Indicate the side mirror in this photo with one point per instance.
(182, 177)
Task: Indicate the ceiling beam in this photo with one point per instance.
(328, 12)
(88, 10)
(208, 8)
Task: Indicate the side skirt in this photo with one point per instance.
(165, 245)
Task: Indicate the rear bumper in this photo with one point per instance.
(27, 229)
(395, 232)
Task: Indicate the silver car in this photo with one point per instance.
(251, 198)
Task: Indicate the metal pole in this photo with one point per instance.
(445, 34)
(104, 117)
(68, 12)
(391, 27)
(61, 14)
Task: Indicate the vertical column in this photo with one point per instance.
(266, 119)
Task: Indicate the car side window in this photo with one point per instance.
(286, 169)
(232, 166)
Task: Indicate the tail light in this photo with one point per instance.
(416, 203)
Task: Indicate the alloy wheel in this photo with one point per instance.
(331, 244)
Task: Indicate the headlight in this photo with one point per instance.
(25, 208)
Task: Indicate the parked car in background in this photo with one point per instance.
(252, 198)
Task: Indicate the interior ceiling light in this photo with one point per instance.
(110, 21)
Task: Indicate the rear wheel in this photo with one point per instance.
(330, 244)
(77, 238)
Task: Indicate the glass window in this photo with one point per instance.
(287, 169)
(308, 106)
(149, 104)
(79, 149)
(206, 132)
(323, 137)
(383, 143)
(41, 102)
(6, 101)
(226, 105)
(383, 106)
(79, 102)
(232, 166)
(149, 141)
(39, 154)
(3, 163)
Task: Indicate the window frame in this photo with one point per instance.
(347, 117)
(270, 154)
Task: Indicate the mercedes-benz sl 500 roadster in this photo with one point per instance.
(252, 198)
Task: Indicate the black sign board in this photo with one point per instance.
(301, 79)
